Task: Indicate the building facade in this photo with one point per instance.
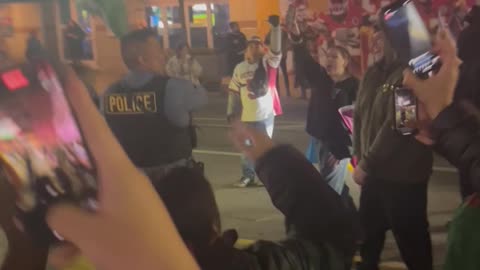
(205, 20)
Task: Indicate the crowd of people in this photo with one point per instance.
(157, 209)
(321, 233)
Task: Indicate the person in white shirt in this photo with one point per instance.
(183, 66)
(253, 97)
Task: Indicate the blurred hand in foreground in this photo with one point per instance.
(435, 93)
(131, 228)
(250, 142)
(359, 176)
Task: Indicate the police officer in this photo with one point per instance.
(148, 112)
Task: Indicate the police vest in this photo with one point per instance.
(136, 117)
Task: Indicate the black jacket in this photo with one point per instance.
(137, 118)
(468, 87)
(320, 234)
(323, 119)
(456, 133)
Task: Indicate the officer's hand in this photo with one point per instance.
(274, 20)
(250, 142)
(131, 229)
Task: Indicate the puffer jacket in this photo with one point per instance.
(456, 132)
(320, 233)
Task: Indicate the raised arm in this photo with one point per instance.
(313, 211)
(274, 55)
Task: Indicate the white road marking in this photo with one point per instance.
(277, 121)
(218, 153)
(444, 169)
(209, 119)
(278, 126)
(235, 154)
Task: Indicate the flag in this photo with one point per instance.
(112, 12)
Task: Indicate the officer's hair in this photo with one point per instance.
(189, 199)
(132, 45)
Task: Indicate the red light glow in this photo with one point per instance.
(14, 80)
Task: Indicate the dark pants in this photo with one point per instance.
(300, 80)
(283, 67)
(402, 208)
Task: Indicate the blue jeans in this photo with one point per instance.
(266, 127)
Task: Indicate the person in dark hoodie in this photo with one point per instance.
(393, 171)
(468, 87)
(319, 232)
(150, 113)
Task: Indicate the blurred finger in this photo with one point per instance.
(62, 256)
(103, 145)
(444, 42)
(72, 223)
(410, 80)
(424, 139)
(238, 135)
(447, 51)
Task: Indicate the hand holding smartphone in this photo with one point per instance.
(42, 151)
(410, 38)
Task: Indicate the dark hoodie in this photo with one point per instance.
(383, 152)
(468, 44)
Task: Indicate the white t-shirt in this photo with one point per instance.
(254, 109)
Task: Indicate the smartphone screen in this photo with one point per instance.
(410, 38)
(405, 111)
(42, 152)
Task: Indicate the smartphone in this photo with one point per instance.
(409, 37)
(43, 155)
(405, 111)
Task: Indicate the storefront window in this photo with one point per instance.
(199, 37)
(220, 24)
(198, 14)
(64, 7)
(173, 15)
(78, 36)
(175, 37)
(206, 24)
(154, 16)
